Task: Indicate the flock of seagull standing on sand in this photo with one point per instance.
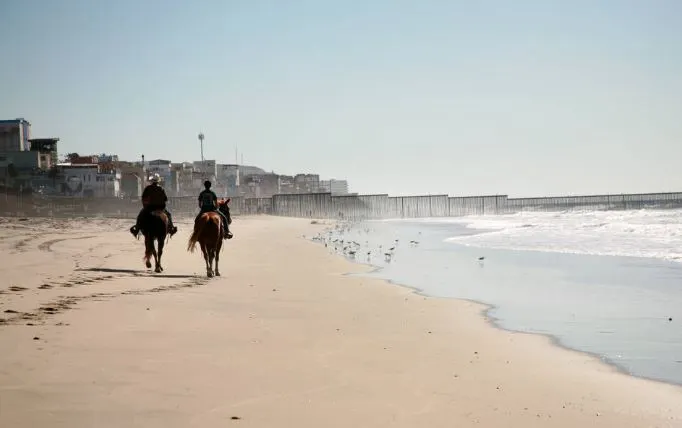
(337, 240)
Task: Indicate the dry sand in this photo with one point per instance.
(282, 339)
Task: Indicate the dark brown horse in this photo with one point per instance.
(208, 232)
(154, 228)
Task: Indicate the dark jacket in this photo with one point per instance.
(208, 200)
(154, 196)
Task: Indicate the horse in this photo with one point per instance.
(208, 232)
(154, 227)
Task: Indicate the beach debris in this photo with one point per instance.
(481, 258)
(235, 418)
(36, 338)
(670, 319)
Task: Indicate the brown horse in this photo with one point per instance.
(208, 232)
(154, 228)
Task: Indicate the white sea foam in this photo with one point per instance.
(642, 233)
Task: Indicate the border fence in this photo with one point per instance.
(345, 207)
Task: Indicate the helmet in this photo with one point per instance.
(155, 178)
(207, 184)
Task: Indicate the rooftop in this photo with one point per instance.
(77, 165)
(14, 121)
(43, 140)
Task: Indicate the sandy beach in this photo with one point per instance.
(284, 338)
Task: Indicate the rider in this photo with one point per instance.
(208, 202)
(153, 198)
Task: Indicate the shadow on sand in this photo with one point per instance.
(135, 272)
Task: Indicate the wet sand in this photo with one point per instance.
(88, 338)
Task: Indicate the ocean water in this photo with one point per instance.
(607, 283)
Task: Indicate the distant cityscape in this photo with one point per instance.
(33, 165)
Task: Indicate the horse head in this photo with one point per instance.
(224, 208)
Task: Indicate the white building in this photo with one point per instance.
(206, 167)
(161, 167)
(335, 187)
(85, 180)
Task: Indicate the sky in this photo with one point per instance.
(525, 98)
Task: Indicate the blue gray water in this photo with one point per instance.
(626, 310)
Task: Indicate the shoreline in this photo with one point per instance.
(494, 322)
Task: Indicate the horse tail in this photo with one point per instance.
(196, 233)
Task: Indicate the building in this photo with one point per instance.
(47, 149)
(335, 187)
(285, 184)
(133, 179)
(307, 183)
(208, 168)
(161, 167)
(182, 174)
(15, 135)
(86, 180)
(260, 185)
(17, 168)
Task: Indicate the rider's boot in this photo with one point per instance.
(172, 230)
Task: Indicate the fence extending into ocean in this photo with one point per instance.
(347, 207)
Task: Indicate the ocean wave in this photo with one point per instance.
(642, 233)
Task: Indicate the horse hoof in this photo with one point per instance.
(217, 273)
(149, 265)
(209, 274)
(158, 269)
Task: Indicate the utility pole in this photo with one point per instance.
(201, 142)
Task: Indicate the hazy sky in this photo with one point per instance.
(525, 97)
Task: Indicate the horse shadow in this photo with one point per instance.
(135, 272)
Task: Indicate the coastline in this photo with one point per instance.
(289, 337)
(494, 322)
(506, 320)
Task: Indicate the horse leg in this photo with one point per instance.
(148, 251)
(161, 243)
(209, 271)
(156, 256)
(217, 256)
(211, 254)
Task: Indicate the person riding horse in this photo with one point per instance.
(153, 198)
(208, 202)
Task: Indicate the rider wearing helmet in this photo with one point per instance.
(153, 198)
(208, 202)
